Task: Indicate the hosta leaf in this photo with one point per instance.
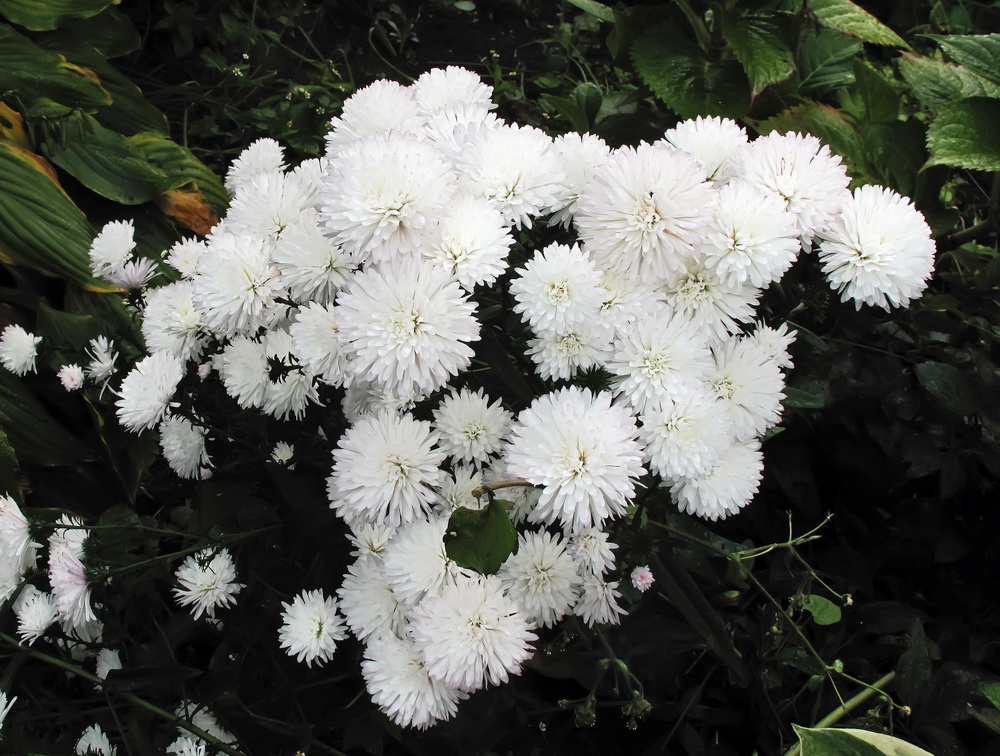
(42, 15)
(845, 16)
(759, 44)
(35, 435)
(481, 539)
(936, 83)
(966, 134)
(12, 127)
(979, 53)
(850, 742)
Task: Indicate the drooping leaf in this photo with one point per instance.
(913, 670)
(826, 61)
(879, 99)
(66, 329)
(8, 468)
(758, 42)
(937, 83)
(595, 9)
(852, 742)
(481, 539)
(823, 611)
(949, 385)
(847, 17)
(977, 52)
(43, 15)
(12, 127)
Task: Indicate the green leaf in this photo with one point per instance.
(596, 9)
(936, 83)
(992, 693)
(60, 328)
(823, 611)
(481, 539)
(826, 61)
(845, 16)
(8, 468)
(829, 125)
(800, 399)
(880, 100)
(949, 385)
(979, 53)
(36, 436)
(851, 742)
(759, 44)
(680, 75)
(913, 670)
(43, 15)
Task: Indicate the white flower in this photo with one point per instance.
(146, 392)
(16, 546)
(686, 434)
(416, 563)
(774, 343)
(592, 551)
(582, 156)
(6, 704)
(171, 322)
(292, 387)
(643, 213)
(183, 445)
(282, 454)
(642, 578)
(558, 290)
(471, 634)
(457, 490)
(268, 203)
(368, 602)
(184, 256)
(711, 141)
(470, 429)
(626, 300)
(18, 349)
(582, 450)
(107, 660)
(71, 377)
(401, 687)
(203, 719)
(752, 238)
(66, 573)
(383, 194)
(312, 267)
(749, 384)
(406, 326)
(186, 745)
(369, 540)
(311, 627)
(802, 172)
(598, 604)
(102, 359)
(317, 344)
(243, 371)
(446, 87)
(94, 741)
(262, 156)
(133, 274)
(471, 241)
(662, 355)
(715, 306)
(207, 581)
(36, 612)
(384, 470)
(112, 248)
(727, 487)
(879, 250)
(515, 167)
(381, 105)
(560, 354)
(541, 576)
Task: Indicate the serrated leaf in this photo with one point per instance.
(826, 61)
(966, 134)
(680, 75)
(823, 611)
(880, 100)
(43, 15)
(758, 42)
(845, 16)
(852, 742)
(979, 53)
(481, 539)
(949, 385)
(936, 83)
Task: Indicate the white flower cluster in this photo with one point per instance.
(362, 271)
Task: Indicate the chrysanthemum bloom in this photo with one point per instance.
(312, 267)
(471, 241)
(107, 661)
(171, 322)
(592, 551)
(66, 573)
(446, 87)
(261, 156)
(112, 248)
(36, 611)
(382, 195)
(401, 687)
(449, 127)
(183, 446)
(269, 203)
(71, 377)
(370, 540)
(749, 385)
(311, 627)
(18, 349)
(6, 704)
(560, 354)
(685, 435)
(642, 578)
(317, 344)
(774, 343)
(16, 545)
(207, 581)
(559, 289)
(879, 250)
(470, 429)
(711, 141)
(102, 359)
(598, 604)
(236, 284)
(811, 180)
(581, 155)
(662, 355)
(186, 745)
(515, 167)
(184, 255)
(716, 307)
(643, 213)
(94, 741)
(457, 490)
(472, 634)
(243, 371)
(751, 238)
(406, 326)
(582, 450)
(381, 105)
(384, 470)
(133, 274)
(626, 301)
(291, 388)
(282, 454)
(202, 718)
(542, 577)
(416, 563)
(146, 392)
(726, 488)
(368, 602)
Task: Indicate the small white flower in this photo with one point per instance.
(381, 105)
(186, 745)
(592, 551)
(71, 377)
(102, 359)
(66, 573)
(685, 434)
(107, 660)
(716, 307)
(727, 487)
(146, 392)
(183, 445)
(541, 576)
(311, 628)
(749, 385)
(16, 546)
(558, 355)
(416, 563)
(171, 322)
(207, 581)
(368, 602)
(317, 343)
(18, 349)
(470, 429)
(582, 156)
(282, 454)
(184, 256)
(6, 704)
(471, 241)
(312, 267)
(94, 741)
(262, 156)
(711, 141)
(112, 248)
(642, 578)
(269, 203)
(598, 604)
(36, 612)
(558, 290)
(446, 87)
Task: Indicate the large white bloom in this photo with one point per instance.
(643, 213)
(384, 470)
(66, 573)
(559, 289)
(183, 445)
(368, 602)
(146, 392)
(470, 428)
(36, 611)
(749, 384)
(685, 435)
(447, 87)
(312, 267)
(879, 250)
(582, 450)
(541, 576)
(727, 487)
(171, 321)
(381, 105)
(711, 141)
(416, 563)
(311, 627)
(406, 326)
(207, 581)
(471, 241)
(471, 634)
(18, 349)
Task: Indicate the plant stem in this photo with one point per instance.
(498, 484)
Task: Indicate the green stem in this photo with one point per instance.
(498, 484)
